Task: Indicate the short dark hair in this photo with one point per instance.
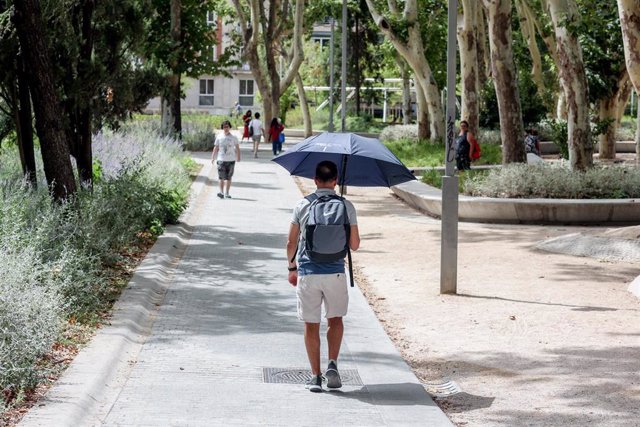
(257, 115)
(464, 122)
(326, 171)
(226, 122)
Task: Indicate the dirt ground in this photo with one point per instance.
(532, 338)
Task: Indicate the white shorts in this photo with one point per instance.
(313, 289)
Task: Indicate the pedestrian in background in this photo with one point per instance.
(226, 152)
(275, 134)
(256, 132)
(464, 147)
(246, 119)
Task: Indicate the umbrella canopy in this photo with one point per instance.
(361, 161)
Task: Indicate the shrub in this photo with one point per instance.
(557, 181)
(397, 132)
(54, 255)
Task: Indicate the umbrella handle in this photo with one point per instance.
(343, 186)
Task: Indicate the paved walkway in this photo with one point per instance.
(207, 334)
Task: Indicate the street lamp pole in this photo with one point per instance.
(331, 73)
(343, 89)
(449, 222)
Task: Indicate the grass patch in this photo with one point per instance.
(423, 153)
(433, 177)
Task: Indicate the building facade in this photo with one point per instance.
(217, 95)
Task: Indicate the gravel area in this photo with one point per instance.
(532, 338)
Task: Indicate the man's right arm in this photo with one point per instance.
(292, 244)
(214, 154)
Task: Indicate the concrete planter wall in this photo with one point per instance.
(523, 211)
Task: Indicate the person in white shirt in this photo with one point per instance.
(226, 152)
(256, 124)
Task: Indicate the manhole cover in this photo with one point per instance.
(301, 376)
(442, 389)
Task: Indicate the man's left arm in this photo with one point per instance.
(354, 233)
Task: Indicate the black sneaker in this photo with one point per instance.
(221, 195)
(333, 376)
(315, 384)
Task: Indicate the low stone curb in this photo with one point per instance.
(523, 211)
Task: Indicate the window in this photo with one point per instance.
(206, 92)
(324, 42)
(246, 93)
(211, 18)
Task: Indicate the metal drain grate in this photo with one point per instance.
(301, 376)
(442, 389)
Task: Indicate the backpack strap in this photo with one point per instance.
(310, 197)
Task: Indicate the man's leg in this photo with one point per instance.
(334, 338)
(312, 343)
(227, 187)
(335, 330)
(221, 184)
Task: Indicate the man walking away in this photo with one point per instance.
(256, 124)
(319, 282)
(226, 151)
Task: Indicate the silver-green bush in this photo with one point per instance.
(396, 132)
(53, 256)
(557, 182)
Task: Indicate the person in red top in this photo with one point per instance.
(246, 119)
(275, 130)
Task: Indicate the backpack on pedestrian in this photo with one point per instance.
(530, 144)
(328, 230)
(476, 152)
(251, 128)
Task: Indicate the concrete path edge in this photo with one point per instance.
(100, 369)
(523, 211)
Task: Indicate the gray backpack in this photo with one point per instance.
(327, 230)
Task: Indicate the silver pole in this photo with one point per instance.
(331, 73)
(449, 223)
(343, 89)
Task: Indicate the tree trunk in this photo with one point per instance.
(84, 154)
(263, 33)
(304, 106)
(407, 112)
(49, 125)
(468, 44)
(528, 28)
(422, 114)
(174, 79)
(564, 16)
(629, 11)
(609, 110)
(412, 50)
(24, 126)
(484, 60)
(637, 136)
(356, 61)
(505, 80)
